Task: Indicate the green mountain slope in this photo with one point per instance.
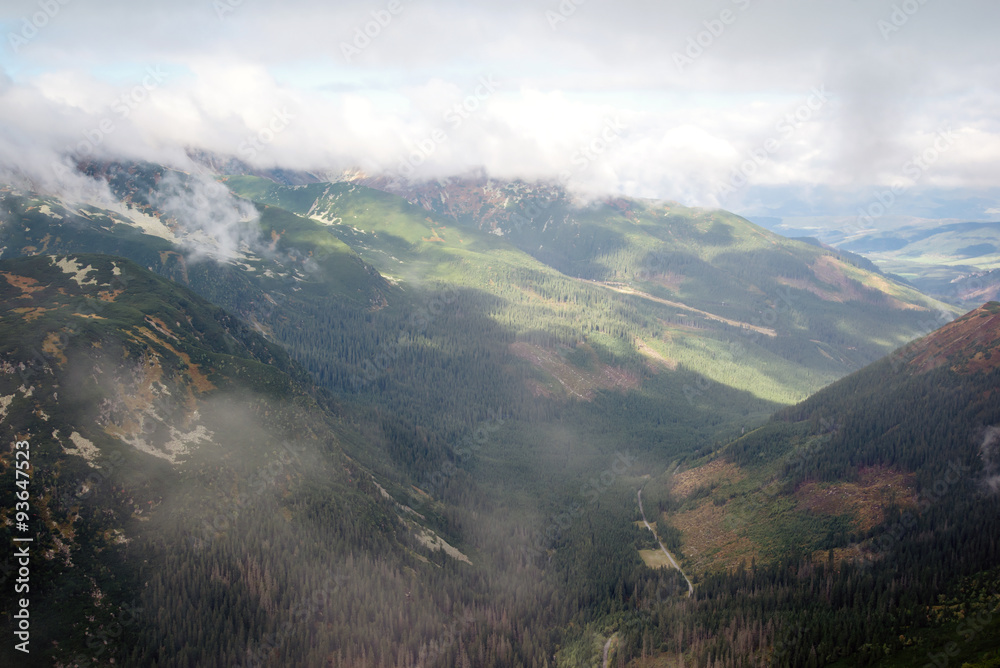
(954, 260)
(653, 244)
(648, 287)
(419, 369)
(948, 245)
(515, 337)
(184, 482)
(501, 399)
(704, 290)
(882, 485)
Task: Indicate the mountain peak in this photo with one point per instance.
(970, 344)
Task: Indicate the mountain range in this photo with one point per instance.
(276, 420)
(954, 260)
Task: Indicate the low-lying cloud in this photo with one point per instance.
(214, 223)
(989, 452)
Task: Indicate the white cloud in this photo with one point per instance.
(686, 130)
(214, 223)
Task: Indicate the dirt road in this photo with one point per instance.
(670, 557)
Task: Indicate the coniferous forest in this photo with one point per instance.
(354, 446)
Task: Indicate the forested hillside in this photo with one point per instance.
(472, 395)
(190, 500)
(705, 290)
(863, 522)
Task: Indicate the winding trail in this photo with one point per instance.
(607, 646)
(670, 557)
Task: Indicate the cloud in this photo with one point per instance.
(214, 222)
(228, 76)
(989, 452)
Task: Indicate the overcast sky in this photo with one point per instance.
(735, 103)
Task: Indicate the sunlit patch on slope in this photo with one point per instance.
(576, 381)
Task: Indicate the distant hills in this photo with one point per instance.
(952, 260)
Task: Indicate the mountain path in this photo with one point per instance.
(670, 557)
(666, 302)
